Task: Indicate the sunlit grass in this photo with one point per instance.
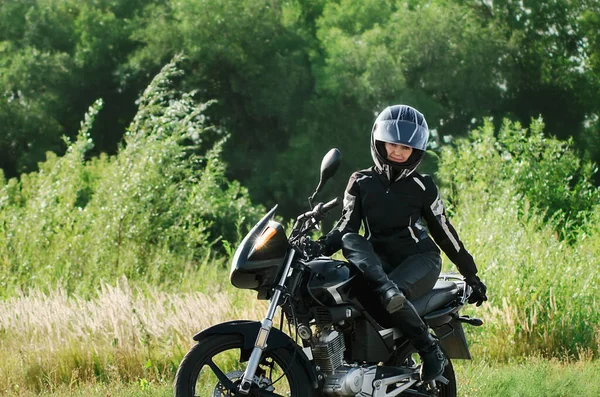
(134, 337)
(543, 292)
(124, 334)
(525, 208)
(528, 378)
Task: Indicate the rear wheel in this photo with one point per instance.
(218, 361)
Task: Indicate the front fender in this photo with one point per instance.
(249, 330)
(276, 340)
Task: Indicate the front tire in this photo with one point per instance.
(278, 372)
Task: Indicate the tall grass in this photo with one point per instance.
(530, 221)
(123, 335)
(56, 344)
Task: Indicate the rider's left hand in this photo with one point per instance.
(478, 295)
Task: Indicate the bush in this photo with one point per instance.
(526, 209)
(152, 212)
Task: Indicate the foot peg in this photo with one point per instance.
(442, 379)
(472, 321)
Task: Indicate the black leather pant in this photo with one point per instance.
(415, 277)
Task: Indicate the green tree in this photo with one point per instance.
(432, 55)
(294, 77)
(253, 58)
(553, 68)
(57, 58)
(30, 102)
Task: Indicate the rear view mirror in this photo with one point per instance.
(329, 165)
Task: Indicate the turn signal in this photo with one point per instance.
(264, 237)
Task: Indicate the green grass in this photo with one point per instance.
(526, 209)
(529, 378)
(55, 345)
(48, 340)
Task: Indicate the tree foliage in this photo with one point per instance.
(548, 174)
(292, 78)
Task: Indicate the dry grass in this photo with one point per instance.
(127, 341)
(123, 334)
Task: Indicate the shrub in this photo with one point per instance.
(548, 173)
(525, 207)
(152, 212)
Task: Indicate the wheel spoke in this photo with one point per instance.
(215, 367)
(225, 381)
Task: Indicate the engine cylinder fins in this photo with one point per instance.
(328, 350)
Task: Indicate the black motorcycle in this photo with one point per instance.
(335, 348)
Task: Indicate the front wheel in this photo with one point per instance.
(218, 361)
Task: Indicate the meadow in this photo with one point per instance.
(128, 342)
(109, 265)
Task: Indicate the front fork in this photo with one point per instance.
(265, 328)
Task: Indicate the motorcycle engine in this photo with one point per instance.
(340, 379)
(328, 350)
(346, 381)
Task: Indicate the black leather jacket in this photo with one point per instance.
(398, 218)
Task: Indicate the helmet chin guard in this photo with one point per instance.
(401, 125)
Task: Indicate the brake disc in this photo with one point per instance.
(221, 391)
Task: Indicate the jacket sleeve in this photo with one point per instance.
(350, 220)
(444, 233)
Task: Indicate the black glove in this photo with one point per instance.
(312, 248)
(478, 295)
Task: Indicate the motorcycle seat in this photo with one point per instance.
(442, 293)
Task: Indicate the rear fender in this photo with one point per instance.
(453, 340)
(249, 330)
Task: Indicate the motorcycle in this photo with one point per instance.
(336, 348)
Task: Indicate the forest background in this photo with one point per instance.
(124, 187)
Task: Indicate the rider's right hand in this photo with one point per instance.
(312, 248)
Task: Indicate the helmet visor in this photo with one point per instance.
(401, 132)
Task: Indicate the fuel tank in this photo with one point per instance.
(329, 281)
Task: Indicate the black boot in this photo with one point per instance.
(433, 363)
(433, 360)
(359, 251)
(412, 326)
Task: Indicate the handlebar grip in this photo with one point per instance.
(320, 210)
(331, 204)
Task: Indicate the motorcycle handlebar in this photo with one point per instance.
(331, 204)
(320, 211)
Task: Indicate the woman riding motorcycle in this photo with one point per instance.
(399, 208)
